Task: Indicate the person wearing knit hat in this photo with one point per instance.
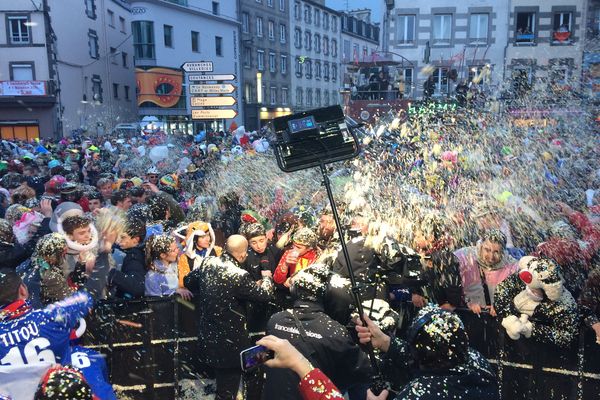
(437, 343)
(64, 382)
(302, 254)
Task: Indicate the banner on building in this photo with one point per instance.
(23, 88)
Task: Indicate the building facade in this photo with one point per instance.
(28, 87)
(591, 53)
(94, 57)
(545, 46)
(266, 61)
(315, 54)
(167, 34)
(458, 41)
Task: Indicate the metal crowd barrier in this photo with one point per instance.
(150, 346)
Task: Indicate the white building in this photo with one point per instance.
(459, 40)
(167, 34)
(94, 57)
(27, 82)
(315, 53)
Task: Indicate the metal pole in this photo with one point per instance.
(378, 379)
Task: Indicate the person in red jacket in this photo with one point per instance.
(314, 384)
(302, 254)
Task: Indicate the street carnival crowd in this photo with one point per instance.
(443, 212)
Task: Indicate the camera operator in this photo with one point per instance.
(437, 352)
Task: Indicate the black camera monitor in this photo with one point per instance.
(309, 138)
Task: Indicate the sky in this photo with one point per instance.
(375, 5)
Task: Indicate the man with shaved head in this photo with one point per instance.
(221, 289)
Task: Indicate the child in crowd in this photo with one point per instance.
(162, 278)
(199, 243)
(129, 280)
(82, 239)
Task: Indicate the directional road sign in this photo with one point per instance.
(212, 77)
(224, 88)
(199, 66)
(212, 101)
(214, 114)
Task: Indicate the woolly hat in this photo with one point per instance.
(7, 235)
(252, 230)
(64, 210)
(170, 181)
(15, 212)
(140, 211)
(54, 164)
(438, 336)
(50, 245)
(64, 383)
(306, 237)
(311, 282)
(53, 185)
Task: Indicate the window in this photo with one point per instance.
(442, 28)
(346, 54)
(248, 93)
(143, 39)
(282, 33)
(272, 62)
(126, 91)
(113, 55)
(317, 43)
(97, 88)
(93, 44)
(298, 38)
(365, 53)
(270, 3)
(317, 17)
(522, 80)
(309, 97)
(355, 50)
(283, 64)
(325, 45)
(560, 75)
(219, 46)
(284, 96)
(307, 40)
(115, 90)
(245, 22)
(18, 30)
(297, 13)
(122, 25)
(308, 69)
(282, 5)
(440, 76)
(271, 30)
(326, 71)
(333, 23)
(334, 48)
(247, 57)
(325, 20)
(168, 35)
(525, 27)
(260, 60)
(317, 70)
(273, 95)
(307, 14)
(215, 8)
(406, 29)
(195, 41)
(407, 75)
(111, 18)
(259, 26)
(478, 28)
(124, 61)
(476, 74)
(90, 8)
(299, 93)
(298, 67)
(22, 72)
(562, 27)
(318, 97)
(325, 97)
(334, 72)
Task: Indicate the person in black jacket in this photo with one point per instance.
(323, 341)
(262, 256)
(129, 281)
(221, 289)
(437, 346)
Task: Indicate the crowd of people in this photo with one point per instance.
(441, 213)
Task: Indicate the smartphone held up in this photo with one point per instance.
(255, 356)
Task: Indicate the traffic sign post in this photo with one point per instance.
(224, 88)
(212, 101)
(214, 114)
(212, 77)
(198, 66)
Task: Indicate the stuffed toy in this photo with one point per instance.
(534, 303)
